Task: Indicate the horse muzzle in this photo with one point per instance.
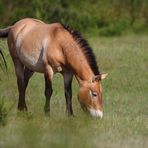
(95, 113)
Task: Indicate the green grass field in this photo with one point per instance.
(125, 121)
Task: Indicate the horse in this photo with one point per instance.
(36, 46)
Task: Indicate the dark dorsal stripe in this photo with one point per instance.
(87, 50)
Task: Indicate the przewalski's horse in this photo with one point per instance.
(50, 48)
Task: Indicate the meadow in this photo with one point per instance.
(125, 99)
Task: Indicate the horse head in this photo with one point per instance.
(90, 96)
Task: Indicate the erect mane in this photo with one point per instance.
(87, 50)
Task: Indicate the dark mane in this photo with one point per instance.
(87, 50)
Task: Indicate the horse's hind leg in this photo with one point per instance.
(23, 74)
(48, 93)
(68, 92)
(27, 75)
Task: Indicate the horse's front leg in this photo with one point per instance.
(48, 88)
(48, 93)
(68, 91)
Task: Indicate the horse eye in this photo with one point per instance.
(94, 94)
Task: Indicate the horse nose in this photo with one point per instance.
(96, 113)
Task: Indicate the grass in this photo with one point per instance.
(125, 121)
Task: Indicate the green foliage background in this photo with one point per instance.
(98, 17)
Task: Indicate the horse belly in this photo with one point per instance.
(32, 59)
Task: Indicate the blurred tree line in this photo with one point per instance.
(100, 17)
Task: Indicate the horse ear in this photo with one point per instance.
(96, 78)
(103, 76)
(99, 77)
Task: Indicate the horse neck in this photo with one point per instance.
(77, 61)
(83, 75)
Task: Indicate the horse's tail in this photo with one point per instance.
(5, 63)
(4, 32)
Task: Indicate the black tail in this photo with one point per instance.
(4, 32)
(1, 65)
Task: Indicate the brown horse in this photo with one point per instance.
(50, 48)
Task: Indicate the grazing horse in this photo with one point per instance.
(50, 48)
